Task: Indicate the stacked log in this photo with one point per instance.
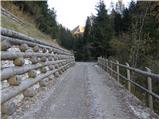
(37, 61)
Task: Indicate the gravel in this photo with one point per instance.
(83, 91)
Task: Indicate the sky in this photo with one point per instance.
(71, 13)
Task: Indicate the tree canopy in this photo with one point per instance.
(126, 34)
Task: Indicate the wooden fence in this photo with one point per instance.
(114, 72)
(11, 16)
(25, 56)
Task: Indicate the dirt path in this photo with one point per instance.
(87, 92)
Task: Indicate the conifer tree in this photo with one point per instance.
(102, 31)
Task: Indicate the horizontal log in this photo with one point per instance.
(14, 34)
(134, 83)
(12, 55)
(137, 70)
(141, 87)
(8, 72)
(12, 92)
(4, 11)
(32, 44)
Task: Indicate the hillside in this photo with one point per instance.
(28, 27)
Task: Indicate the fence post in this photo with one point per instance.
(98, 60)
(107, 65)
(111, 68)
(117, 71)
(128, 77)
(150, 99)
(103, 63)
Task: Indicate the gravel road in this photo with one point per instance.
(86, 91)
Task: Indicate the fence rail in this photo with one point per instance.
(44, 61)
(108, 66)
(19, 38)
(11, 16)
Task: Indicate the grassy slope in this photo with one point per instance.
(29, 28)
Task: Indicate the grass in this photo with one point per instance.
(28, 29)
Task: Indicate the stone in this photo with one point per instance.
(29, 92)
(61, 64)
(62, 70)
(14, 81)
(58, 51)
(36, 48)
(59, 72)
(56, 74)
(19, 61)
(8, 108)
(23, 47)
(58, 57)
(17, 99)
(14, 48)
(39, 59)
(43, 83)
(5, 45)
(50, 50)
(50, 58)
(56, 66)
(43, 69)
(51, 77)
(55, 58)
(65, 68)
(32, 73)
(55, 51)
(36, 86)
(27, 61)
(51, 67)
(44, 50)
(34, 60)
(40, 49)
(4, 84)
(29, 50)
(6, 63)
(43, 59)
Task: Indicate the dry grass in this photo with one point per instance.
(29, 28)
(15, 10)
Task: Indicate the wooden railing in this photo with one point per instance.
(27, 62)
(114, 72)
(11, 16)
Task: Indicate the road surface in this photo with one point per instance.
(86, 91)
